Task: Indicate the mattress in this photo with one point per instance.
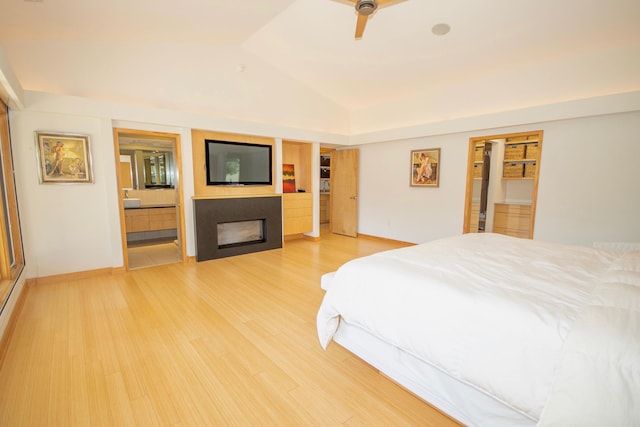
(460, 401)
(489, 311)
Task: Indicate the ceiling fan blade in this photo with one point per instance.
(362, 22)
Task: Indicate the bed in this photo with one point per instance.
(495, 330)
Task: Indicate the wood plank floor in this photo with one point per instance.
(222, 342)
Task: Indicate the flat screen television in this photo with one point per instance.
(237, 163)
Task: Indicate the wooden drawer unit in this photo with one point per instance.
(297, 210)
(512, 219)
(150, 219)
(162, 218)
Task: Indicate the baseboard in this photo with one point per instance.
(78, 275)
(298, 236)
(290, 237)
(384, 239)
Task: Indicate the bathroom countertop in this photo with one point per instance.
(152, 206)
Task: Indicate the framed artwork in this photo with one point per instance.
(425, 168)
(288, 178)
(63, 158)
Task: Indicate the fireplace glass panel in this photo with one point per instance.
(240, 233)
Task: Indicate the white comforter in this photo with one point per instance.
(490, 310)
(598, 378)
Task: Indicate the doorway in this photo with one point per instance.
(502, 184)
(150, 194)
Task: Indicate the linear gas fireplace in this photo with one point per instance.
(235, 226)
(237, 233)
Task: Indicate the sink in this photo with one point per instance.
(131, 203)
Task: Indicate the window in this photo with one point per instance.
(11, 255)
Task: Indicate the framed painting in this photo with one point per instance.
(63, 158)
(425, 168)
(288, 178)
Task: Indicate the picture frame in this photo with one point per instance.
(288, 178)
(63, 158)
(425, 167)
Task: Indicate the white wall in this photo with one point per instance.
(589, 187)
(66, 227)
(389, 207)
(72, 228)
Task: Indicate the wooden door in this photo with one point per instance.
(344, 192)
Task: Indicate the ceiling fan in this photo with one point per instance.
(364, 9)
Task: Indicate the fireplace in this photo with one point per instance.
(237, 233)
(234, 226)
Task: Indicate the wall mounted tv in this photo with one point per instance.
(237, 163)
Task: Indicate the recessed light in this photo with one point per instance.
(440, 29)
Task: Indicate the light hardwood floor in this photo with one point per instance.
(222, 342)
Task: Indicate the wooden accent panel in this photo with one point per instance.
(299, 154)
(200, 187)
(297, 210)
(150, 219)
(512, 220)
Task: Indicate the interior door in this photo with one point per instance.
(344, 192)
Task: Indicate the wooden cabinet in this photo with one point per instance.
(150, 219)
(514, 216)
(325, 212)
(474, 220)
(297, 211)
(297, 208)
(512, 219)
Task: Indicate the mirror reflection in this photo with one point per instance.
(147, 169)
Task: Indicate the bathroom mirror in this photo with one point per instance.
(147, 169)
(148, 160)
(157, 170)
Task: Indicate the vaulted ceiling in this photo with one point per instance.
(296, 62)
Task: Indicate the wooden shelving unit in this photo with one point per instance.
(520, 160)
(297, 207)
(520, 163)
